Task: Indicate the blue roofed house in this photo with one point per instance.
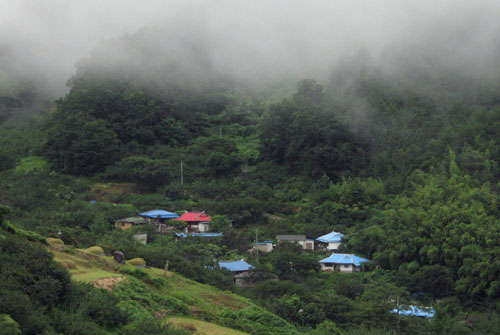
(342, 263)
(330, 241)
(158, 218)
(159, 214)
(236, 267)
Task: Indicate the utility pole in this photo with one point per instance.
(257, 243)
(182, 173)
(165, 269)
(220, 131)
(399, 317)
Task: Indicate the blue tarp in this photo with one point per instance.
(345, 259)
(262, 243)
(159, 213)
(236, 266)
(331, 237)
(412, 310)
(198, 234)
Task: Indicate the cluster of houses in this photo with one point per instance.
(329, 242)
(198, 224)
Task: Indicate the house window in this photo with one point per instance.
(346, 266)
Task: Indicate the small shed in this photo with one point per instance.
(129, 222)
(266, 246)
(251, 278)
(301, 240)
(342, 263)
(141, 238)
(329, 242)
(236, 267)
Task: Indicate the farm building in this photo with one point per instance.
(129, 222)
(266, 246)
(342, 263)
(250, 279)
(301, 240)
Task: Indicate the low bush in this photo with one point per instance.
(138, 262)
(95, 250)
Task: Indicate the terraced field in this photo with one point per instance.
(210, 310)
(198, 327)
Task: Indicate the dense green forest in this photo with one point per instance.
(405, 163)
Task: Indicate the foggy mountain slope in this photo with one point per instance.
(259, 41)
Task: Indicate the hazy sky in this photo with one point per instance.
(47, 37)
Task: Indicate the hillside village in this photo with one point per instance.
(199, 177)
(197, 224)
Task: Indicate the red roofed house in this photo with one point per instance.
(197, 222)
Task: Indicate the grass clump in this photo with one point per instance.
(68, 264)
(95, 250)
(31, 164)
(137, 262)
(144, 276)
(55, 241)
(201, 327)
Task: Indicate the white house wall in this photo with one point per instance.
(333, 245)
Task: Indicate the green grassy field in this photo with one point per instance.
(203, 302)
(198, 327)
(84, 270)
(202, 299)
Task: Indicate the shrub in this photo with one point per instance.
(95, 250)
(8, 325)
(68, 265)
(144, 276)
(137, 262)
(138, 300)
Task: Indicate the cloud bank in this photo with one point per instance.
(251, 39)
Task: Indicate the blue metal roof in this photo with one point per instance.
(331, 237)
(412, 310)
(198, 234)
(159, 213)
(345, 259)
(240, 265)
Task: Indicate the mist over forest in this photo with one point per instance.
(261, 41)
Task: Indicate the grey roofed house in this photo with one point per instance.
(298, 239)
(292, 238)
(133, 220)
(128, 222)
